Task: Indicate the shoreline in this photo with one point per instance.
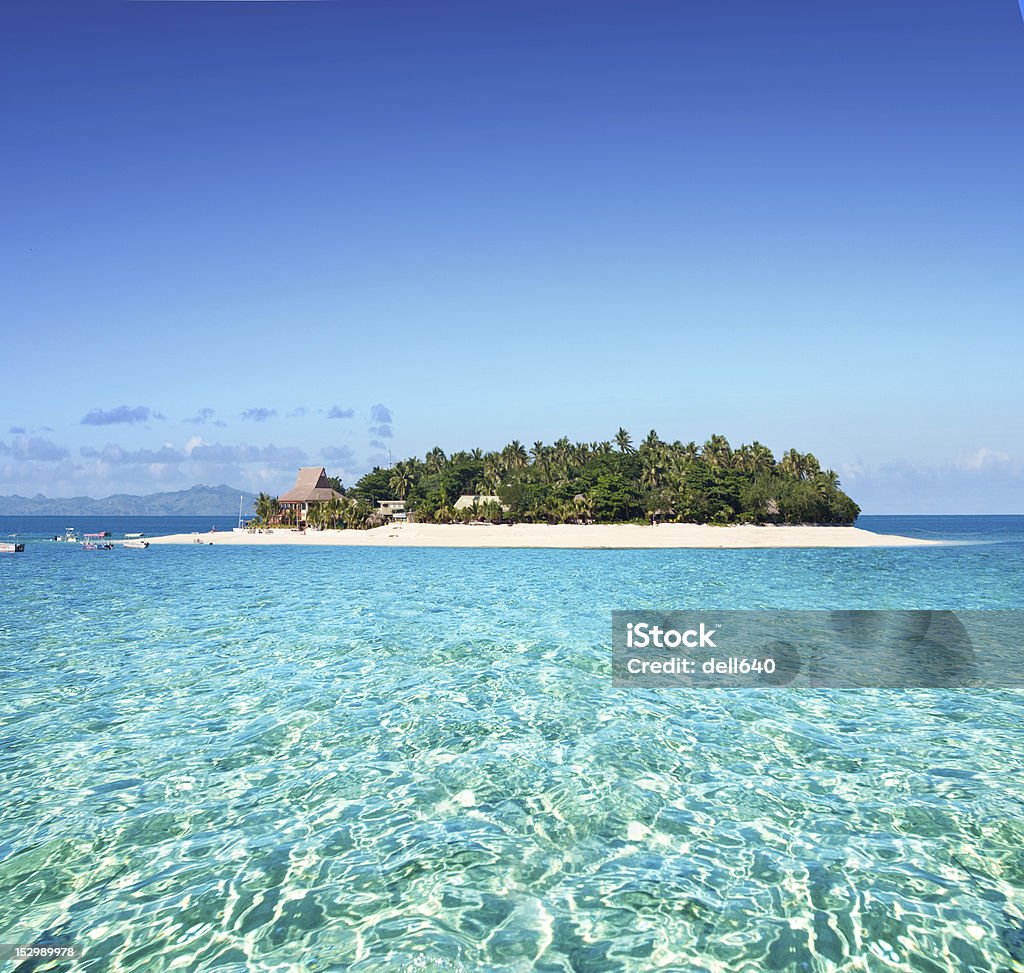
(562, 536)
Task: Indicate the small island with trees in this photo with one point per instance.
(612, 482)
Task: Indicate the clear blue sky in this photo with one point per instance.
(456, 224)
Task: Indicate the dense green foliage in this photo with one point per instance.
(608, 483)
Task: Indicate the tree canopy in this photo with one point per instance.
(616, 482)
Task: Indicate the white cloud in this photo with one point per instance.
(27, 447)
(120, 414)
(982, 458)
(984, 480)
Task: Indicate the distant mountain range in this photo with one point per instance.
(199, 501)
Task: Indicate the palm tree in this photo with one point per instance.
(401, 481)
(826, 483)
(624, 441)
(267, 508)
(435, 459)
(541, 460)
(650, 476)
(333, 510)
(791, 464)
(762, 458)
(560, 512)
(652, 441)
(515, 455)
(354, 513)
(717, 452)
(493, 471)
(583, 506)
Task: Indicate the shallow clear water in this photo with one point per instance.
(287, 758)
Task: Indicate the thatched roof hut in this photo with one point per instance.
(311, 486)
(470, 500)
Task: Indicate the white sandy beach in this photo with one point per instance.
(623, 536)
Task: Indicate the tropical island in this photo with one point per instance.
(612, 482)
(569, 495)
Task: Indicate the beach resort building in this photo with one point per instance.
(468, 501)
(311, 486)
(391, 509)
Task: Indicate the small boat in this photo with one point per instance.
(70, 536)
(133, 537)
(136, 544)
(11, 547)
(91, 546)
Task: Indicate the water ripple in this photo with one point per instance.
(408, 760)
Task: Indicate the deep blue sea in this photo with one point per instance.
(285, 758)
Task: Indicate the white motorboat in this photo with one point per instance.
(136, 544)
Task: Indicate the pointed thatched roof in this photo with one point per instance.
(311, 484)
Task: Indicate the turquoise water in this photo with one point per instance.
(297, 759)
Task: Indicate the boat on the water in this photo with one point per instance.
(93, 545)
(135, 543)
(134, 537)
(11, 547)
(70, 536)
